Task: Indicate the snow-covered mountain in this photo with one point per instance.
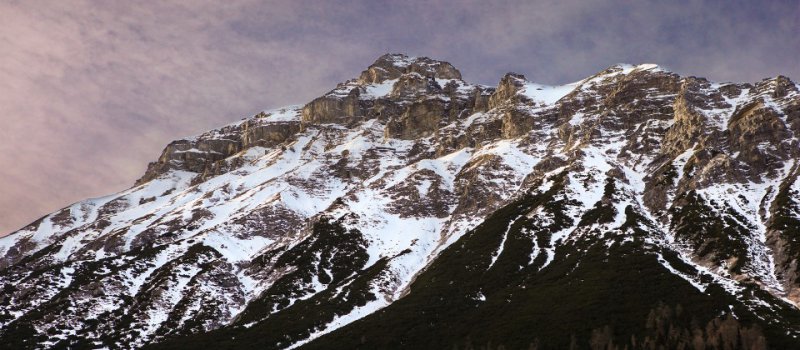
(408, 208)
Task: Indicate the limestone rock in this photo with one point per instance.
(335, 109)
(509, 85)
(392, 66)
(420, 119)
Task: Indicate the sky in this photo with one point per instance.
(91, 91)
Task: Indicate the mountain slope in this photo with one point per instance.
(409, 208)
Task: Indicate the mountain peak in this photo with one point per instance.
(411, 209)
(393, 65)
(626, 68)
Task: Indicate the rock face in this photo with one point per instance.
(393, 66)
(209, 151)
(406, 78)
(507, 91)
(408, 208)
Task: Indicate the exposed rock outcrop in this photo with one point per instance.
(509, 86)
(392, 66)
(336, 109)
(205, 154)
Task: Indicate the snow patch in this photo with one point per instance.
(546, 94)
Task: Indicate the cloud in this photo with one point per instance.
(91, 91)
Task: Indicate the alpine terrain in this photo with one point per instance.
(410, 209)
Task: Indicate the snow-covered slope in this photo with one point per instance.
(299, 221)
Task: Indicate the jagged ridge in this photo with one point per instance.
(328, 212)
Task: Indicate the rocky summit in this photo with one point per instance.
(410, 209)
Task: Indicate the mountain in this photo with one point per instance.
(408, 208)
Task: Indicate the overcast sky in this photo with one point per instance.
(90, 92)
